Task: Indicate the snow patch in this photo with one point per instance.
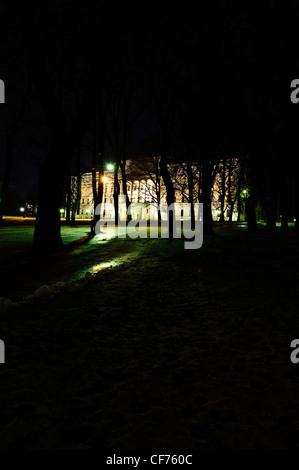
(47, 292)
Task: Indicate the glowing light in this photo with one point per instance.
(22, 209)
(104, 179)
(110, 167)
(61, 211)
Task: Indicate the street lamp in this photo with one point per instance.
(104, 180)
(61, 212)
(110, 166)
(219, 213)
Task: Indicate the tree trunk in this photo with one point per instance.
(64, 138)
(158, 192)
(97, 166)
(284, 203)
(124, 181)
(68, 198)
(239, 199)
(190, 189)
(6, 180)
(169, 198)
(116, 194)
(98, 191)
(207, 181)
(47, 236)
(231, 201)
(223, 188)
(76, 206)
(250, 205)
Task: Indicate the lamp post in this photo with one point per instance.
(219, 212)
(245, 194)
(111, 168)
(104, 179)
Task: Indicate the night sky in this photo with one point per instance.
(239, 61)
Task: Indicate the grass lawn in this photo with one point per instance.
(181, 349)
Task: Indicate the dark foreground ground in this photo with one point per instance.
(177, 349)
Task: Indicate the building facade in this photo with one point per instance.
(146, 191)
